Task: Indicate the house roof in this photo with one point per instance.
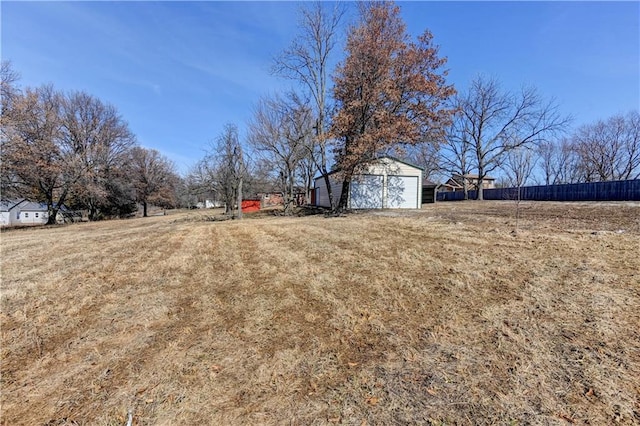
(427, 182)
(24, 205)
(470, 176)
(33, 206)
(8, 205)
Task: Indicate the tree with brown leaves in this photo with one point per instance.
(103, 140)
(154, 178)
(389, 90)
(38, 162)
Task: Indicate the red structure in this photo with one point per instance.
(250, 206)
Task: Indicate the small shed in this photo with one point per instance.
(429, 191)
(385, 182)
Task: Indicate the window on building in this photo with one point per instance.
(37, 214)
(26, 214)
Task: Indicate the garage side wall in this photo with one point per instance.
(322, 195)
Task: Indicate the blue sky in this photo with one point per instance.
(179, 71)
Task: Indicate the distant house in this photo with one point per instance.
(9, 212)
(385, 182)
(30, 213)
(23, 213)
(208, 204)
(456, 182)
(448, 187)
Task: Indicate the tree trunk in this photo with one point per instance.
(344, 197)
(479, 191)
(239, 215)
(93, 211)
(144, 209)
(53, 213)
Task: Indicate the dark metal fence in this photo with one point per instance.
(621, 190)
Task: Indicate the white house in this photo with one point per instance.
(8, 212)
(22, 213)
(382, 183)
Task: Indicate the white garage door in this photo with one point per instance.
(366, 192)
(402, 192)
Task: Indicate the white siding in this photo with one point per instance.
(5, 219)
(387, 166)
(395, 185)
(27, 217)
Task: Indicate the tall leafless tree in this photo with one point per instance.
(609, 149)
(558, 162)
(226, 167)
(280, 132)
(498, 121)
(307, 60)
(456, 153)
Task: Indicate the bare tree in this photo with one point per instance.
(427, 156)
(609, 149)
(518, 166)
(496, 122)
(8, 88)
(456, 153)
(558, 162)
(154, 178)
(280, 132)
(307, 60)
(226, 167)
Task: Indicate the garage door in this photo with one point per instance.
(366, 192)
(402, 192)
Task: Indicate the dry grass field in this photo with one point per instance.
(438, 316)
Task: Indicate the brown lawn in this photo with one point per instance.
(439, 316)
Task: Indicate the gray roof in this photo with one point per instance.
(33, 206)
(22, 205)
(7, 205)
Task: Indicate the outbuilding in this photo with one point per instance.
(429, 189)
(383, 183)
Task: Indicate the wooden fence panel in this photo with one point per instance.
(622, 190)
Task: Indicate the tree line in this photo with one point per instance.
(73, 150)
(388, 95)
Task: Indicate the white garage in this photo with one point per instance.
(383, 183)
